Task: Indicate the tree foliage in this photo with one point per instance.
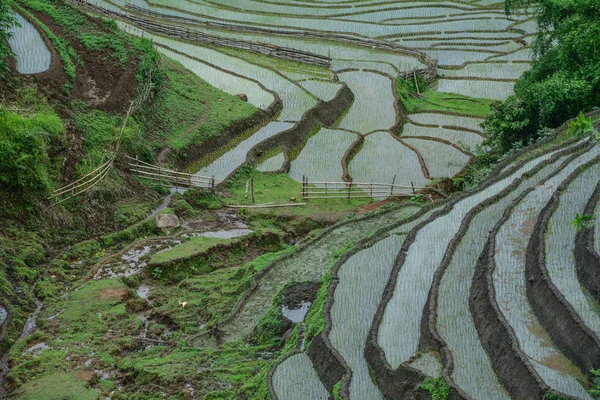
(7, 19)
(565, 78)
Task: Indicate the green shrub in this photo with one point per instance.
(565, 78)
(6, 21)
(24, 161)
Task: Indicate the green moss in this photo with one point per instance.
(58, 386)
(142, 229)
(193, 247)
(437, 388)
(336, 390)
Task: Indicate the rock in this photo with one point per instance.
(242, 97)
(167, 221)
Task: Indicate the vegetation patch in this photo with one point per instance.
(429, 99)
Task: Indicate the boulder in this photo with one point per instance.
(242, 97)
(167, 221)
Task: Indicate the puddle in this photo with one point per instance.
(3, 315)
(143, 292)
(166, 201)
(296, 314)
(224, 234)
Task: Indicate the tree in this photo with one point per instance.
(565, 78)
(7, 20)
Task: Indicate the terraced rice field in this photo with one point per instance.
(31, 52)
(480, 52)
(453, 291)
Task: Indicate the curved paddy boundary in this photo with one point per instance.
(587, 259)
(497, 337)
(377, 359)
(401, 119)
(305, 247)
(452, 127)
(558, 317)
(324, 113)
(428, 61)
(431, 336)
(260, 117)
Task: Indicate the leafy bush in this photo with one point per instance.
(565, 78)
(24, 162)
(6, 21)
(437, 388)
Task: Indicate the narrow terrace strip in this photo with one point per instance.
(31, 52)
(468, 365)
(228, 162)
(295, 378)
(587, 243)
(509, 283)
(397, 330)
(362, 279)
(309, 263)
(556, 296)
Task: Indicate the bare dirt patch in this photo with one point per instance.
(114, 293)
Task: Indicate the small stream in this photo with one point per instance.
(297, 315)
(166, 201)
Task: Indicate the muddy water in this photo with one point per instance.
(296, 314)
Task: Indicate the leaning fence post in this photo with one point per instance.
(392, 187)
(413, 187)
(252, 184)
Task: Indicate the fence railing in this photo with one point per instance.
(171, 177)
(359, 190)
(205, 38)
(93, 178)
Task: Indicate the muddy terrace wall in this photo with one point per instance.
(508, 362)
(587, 259)
(496, 335)
(322, 114)
(562, 322)
(429, 72)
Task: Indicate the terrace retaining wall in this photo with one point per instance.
(324, 113)
(587, 259)
(497, 337)
(558, 317)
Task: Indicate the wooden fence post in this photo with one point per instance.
(349, 189)
(413, 187)
(392, 187)
(416, 83)
(246, 192)
(252, 184)
(303, 179)
(212, 185)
